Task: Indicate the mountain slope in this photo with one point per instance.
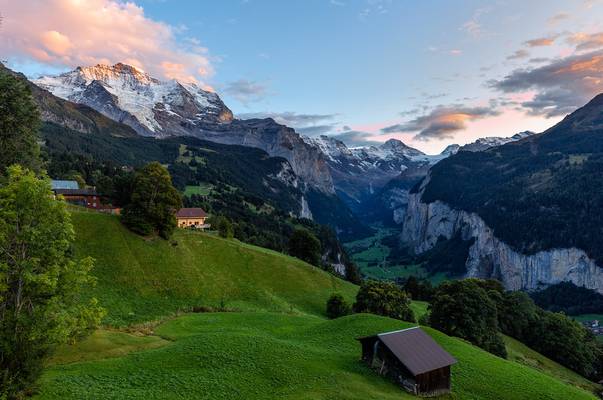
(130, 96)
(141, 280)
(170, 108)
(266, 355)
(535, 206)
(358, 173)
(71, 115)
(279, 345)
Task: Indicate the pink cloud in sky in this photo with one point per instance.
(70, 33)
(507, 123)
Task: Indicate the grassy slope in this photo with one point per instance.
(279, 347)
(522, 354)
(266, 355)
(141, 280)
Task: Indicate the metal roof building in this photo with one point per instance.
(411, 358)
(64, 185)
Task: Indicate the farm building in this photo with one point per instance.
(191, 218)
(71, 192)
(411, 358)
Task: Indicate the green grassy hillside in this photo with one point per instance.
(268, 356)
(522, 354)
(278, 345)
(141, 280)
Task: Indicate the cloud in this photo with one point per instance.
(354, 138)
(315, 130)
(246, 91)
(290, 118)
(519, 54)
(540, 42)
(473, 28)
(586, 41)
(70, 33)
(442, 122)
(560, 86)
(555, 19)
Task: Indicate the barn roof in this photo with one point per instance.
(61, 184)
(191, 213)
(416, 350)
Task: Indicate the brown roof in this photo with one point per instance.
(191, 213)
(416, 350)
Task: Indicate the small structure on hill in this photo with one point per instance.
(192, 218)
(411, 358)
(71, 192)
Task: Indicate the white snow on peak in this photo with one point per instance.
(136, 91)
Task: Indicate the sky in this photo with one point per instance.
(429, 73)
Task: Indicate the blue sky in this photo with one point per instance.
(430, 73)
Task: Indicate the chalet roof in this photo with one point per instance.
(76, 192)
(191, 213)
(61, 184)
(416, 350)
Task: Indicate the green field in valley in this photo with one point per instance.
(277, 345)
(370, 254)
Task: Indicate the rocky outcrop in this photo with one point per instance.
(489, 257)
(278, 141)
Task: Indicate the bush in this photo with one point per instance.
(464, 309)
(224, 227)
(337, 306)
(305, 246)
(383, 298)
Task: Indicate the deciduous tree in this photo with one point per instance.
(19, 124)
(153, 203)
(40, 280)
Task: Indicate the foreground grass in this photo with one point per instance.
(522, 354)
(143, 280)
(268, 356)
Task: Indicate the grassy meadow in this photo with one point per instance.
(277, 344)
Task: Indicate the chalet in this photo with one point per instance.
(191, 218)
(82, 197)
(411, 358)
(71, 192)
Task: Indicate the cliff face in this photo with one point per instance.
(278, 141)
(489, 257)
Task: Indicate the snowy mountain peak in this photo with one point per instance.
(485, 143)
(127, 94)
(117, 72)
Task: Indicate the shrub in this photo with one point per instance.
(383, 298)
(337, 306)
(224, 227)
(305, 246)
(464, 309)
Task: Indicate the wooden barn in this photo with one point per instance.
(411, 358)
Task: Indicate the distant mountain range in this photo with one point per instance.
(329, 171)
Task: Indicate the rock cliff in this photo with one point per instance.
(489, 257)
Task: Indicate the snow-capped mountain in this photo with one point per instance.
(170, 108)
(485, 143)
(360, 172)
(126, 94)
